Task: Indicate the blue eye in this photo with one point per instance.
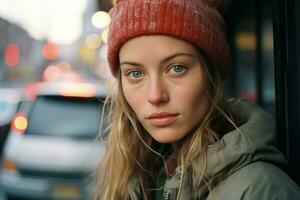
(134, 74)
(178, 69)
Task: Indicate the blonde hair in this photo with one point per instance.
(131, 150)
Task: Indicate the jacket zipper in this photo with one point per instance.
(166, 195)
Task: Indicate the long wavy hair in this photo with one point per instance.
(132, 154)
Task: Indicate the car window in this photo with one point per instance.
(7, 107)
(65, 117)
(7, 110)
(3, 106)
(24, 106)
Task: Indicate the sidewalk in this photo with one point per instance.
(2, 197)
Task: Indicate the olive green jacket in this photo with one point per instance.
(244, 164)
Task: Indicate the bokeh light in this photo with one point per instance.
(100, 19)
(51, 51)
(51, 73)
(93, 41)
(12, 54)
(104, 35)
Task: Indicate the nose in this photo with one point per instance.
(158, 94)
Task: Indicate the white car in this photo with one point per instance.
(9, 101)
(52, 150)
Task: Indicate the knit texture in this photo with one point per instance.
(196, 21)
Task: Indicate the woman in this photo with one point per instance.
(173, 135)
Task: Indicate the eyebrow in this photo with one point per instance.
(163, 61)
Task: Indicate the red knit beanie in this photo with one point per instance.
(196, 21)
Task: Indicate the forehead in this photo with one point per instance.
(154, 46)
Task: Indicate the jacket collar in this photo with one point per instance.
(255, 140)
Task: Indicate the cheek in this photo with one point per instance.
(199, 98)
(196, 101)
(194, 88)
(134, 98)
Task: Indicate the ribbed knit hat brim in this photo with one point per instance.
(196, 21)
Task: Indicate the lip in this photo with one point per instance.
(162, 118)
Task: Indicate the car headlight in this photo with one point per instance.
(9, 165)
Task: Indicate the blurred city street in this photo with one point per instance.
(53, 71)
(69, 36)
(2, 195)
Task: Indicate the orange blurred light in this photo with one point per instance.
(51, 73)
(64, 66)
(51, 51)
(78, 90)
(12, 54)
(19, 123)
(245, 41)
(31, 89)
(9, 165)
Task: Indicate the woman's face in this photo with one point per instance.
(164, 83)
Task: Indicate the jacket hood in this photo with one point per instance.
(255, 140)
